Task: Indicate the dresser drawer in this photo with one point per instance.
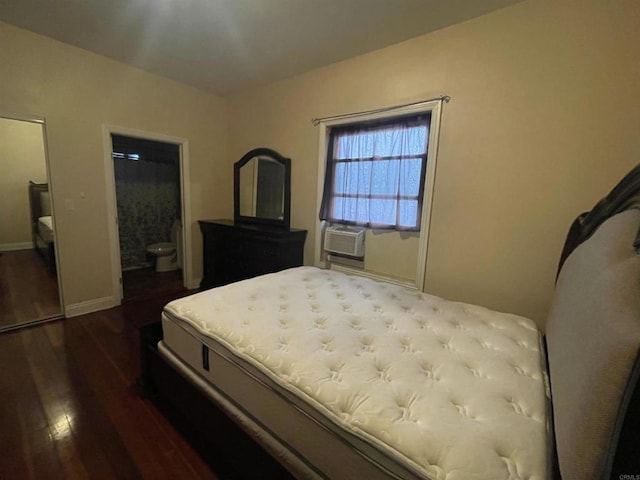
(233, 252)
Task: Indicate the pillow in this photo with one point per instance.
(593, 341)
(45, 204)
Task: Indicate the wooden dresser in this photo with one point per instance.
(236, 251)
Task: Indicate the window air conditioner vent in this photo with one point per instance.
(344, 241)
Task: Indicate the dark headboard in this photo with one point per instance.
(34, 198)
(625, 195)
(35, 189)
(593, 340)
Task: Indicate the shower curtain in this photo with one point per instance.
(148, 203)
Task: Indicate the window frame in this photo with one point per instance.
(329, 192)
(434, 107)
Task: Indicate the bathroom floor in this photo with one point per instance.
(143, 283)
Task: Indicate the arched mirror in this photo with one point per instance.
(262, 188)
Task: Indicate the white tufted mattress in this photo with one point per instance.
(421, 386)
(45, 229)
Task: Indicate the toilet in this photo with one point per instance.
(168, 254)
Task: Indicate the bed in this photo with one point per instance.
(42, 228)
(339, 376)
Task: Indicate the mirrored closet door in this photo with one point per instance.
(29, 289)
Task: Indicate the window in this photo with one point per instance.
(375, 173)
(130, 156)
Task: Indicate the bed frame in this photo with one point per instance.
(160, 380)
(231, 452)
(45, 249)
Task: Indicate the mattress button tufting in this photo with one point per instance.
(427, 370)
(284, 346)
(320, 323)
(326, 345)
(335, 373)
(383, 374)
(406, 346)
(284, 322)
(475, 372)
(516, 406)
(366, 343)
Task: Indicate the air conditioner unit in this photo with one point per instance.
(344, 241)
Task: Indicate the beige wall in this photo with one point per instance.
(21, 159)
(393, 254)
(542, 123)
(77, 92)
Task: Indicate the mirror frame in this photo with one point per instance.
(60, 313)
(285, 222)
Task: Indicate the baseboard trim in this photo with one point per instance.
(90, 306)
(9, 247)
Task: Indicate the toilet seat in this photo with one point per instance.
(161, 249)
(168, 254)
(165, 254)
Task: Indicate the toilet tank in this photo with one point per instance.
(176, 239)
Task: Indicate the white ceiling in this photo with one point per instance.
(225, 46)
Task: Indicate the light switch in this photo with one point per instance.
(69, 204)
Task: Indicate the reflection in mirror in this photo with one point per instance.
(28, 275)
(262, 188)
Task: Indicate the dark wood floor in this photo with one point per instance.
(143, 283)
(28, 290)
(70, 408)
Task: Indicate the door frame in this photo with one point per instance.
(112, 211)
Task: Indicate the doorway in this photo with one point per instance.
(150, 215)
(29, 271)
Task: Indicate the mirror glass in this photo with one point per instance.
(28, 272)
(262, 190)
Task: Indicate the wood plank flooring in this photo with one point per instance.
(143, 283)
(28, 291)
(70, 408)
